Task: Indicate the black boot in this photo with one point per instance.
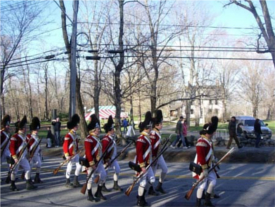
(23, 175)
(76, 183)
(198, 203)
(29, 185)
(143, 198)
(68, 183)
(104, 189)
(37, 179)
(117, 187)
(13, 186)
(159, 188)
(152, 192)
(98, 193)
(91, 197)
(8, 179)
(207, 201)
(140, 201)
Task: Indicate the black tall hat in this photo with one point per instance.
(21, 124)
(35, 124)
(5, 121)
(109, 125)
(211, 127)
(94, 123)
(147, 121)
(158, 117)
(73, 122)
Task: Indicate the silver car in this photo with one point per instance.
(247, 125)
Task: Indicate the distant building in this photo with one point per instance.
(202, 108)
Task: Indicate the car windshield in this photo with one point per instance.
(251, 122)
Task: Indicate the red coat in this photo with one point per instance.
(105, 142)
(92, 149)
(16, 144)
(143, 150)
(70, 145)
(204, 154)
(155, 141)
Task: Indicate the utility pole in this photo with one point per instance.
(73, 60)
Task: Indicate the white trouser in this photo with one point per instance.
(73, 161)
(211, 179)
(36, 162)
(148, 176)
(99, 171)
(160, 164)
(24, 163)
(116, 168)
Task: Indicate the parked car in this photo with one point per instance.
(247, 125)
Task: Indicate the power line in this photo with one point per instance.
(173, 25)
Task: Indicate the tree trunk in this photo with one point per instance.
(46, 114)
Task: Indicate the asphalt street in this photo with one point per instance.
(240, 185)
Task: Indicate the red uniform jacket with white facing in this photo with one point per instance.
(70, 145)
(143, 150)
(204, 154)
(33, 141)
(155, 141)
(92, 149)
(17, 142)
(4, 138)
(108, 141)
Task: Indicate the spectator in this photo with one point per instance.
(185, 131)
(179, 132)
(239, 129)
(125, 124)
(57, 125)
(232, 133)
(258, 132)
(50, 138)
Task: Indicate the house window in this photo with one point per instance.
(192, 111)
(209, 110)
(216, 101)
(216, 111)
(210, 101)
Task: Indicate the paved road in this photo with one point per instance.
(240, 185)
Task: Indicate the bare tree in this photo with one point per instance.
(251, 85)
(264, 21)
(80, 109)
(18, 21)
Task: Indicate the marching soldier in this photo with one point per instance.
(108, 140)
(5, 152)
(144, 157)
(155, 137)
(93, 152)
(18, 145)
(204, 157)
(70, 147)
(34, 148)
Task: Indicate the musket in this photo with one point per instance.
(20, 157)
(165, 147)
(66, 161)
(84, 187)
(189, 193)
(34, 149)
(109, 163)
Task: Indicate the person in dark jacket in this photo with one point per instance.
(232, 133)
(179, 132)
(258, 132)
(57, 125)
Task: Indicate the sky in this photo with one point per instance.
(235, 20)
